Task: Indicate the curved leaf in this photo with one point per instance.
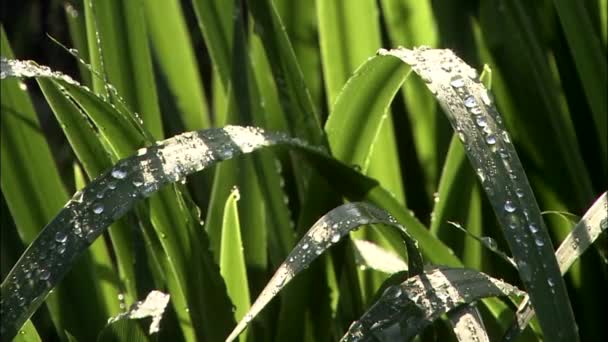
(327, 231)
(86, 215)
(593, 223)
(472, 114)
(404, 310)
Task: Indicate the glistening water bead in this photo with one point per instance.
(509, 206)
(119, 174)
(98, 208)
(470, 101)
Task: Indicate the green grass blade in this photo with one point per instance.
(412, 24)
(124, 134)
(303, 120)
(589, 228)
(360, 111)
(415, 303)
(94, 158)
(74, 14)
(456, 200)
(300, 20)
(590, 59)
(27, 333)
(148, 171)
(348, 36)
(34, 197)
(492, 155)
(327, 231)
(118, 38)
(535, 99)
(171, 42)
(232, 259)
(215, 19)
(107, 281)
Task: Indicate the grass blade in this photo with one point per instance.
(348, 36)
(27, 333)
(590, 59)
(327, 231)
(232, 259)
(86, 215)
(118, 45)
(466, 102)
(467, 324)
(171, 42)
(34, 197)
(404, 310)
(589, 228)
(303, 120)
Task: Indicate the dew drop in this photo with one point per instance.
(61, 237)
(491, 139)
(505, 137)
(119, 174)
(481, 121)
(462, 137)
(61, 249)
(305, 246)
(550, 282)
(98, 208)
(509, 206)
(519, 192)
(533, 228)
(470, 101)
(112, 185)
(335, 237)
(137, 183)
(539, 242)
(457, 81)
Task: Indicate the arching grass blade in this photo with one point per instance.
(404, 310)
(327, 231)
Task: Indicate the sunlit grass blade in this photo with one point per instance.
(74, 14)
(123, 133)
(584, 234)
(404, 310)
(471, 112)
(86, 215)
(327, 231)
(27, 333)
(118, 45)
(348, 36)
(175, 55)
(33, 190)
(303, 120)
(232, 259)
(95, 159)
(467, 324)
(412, 23)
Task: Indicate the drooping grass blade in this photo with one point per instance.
(327, 231)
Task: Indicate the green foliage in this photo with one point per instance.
(362, 140)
